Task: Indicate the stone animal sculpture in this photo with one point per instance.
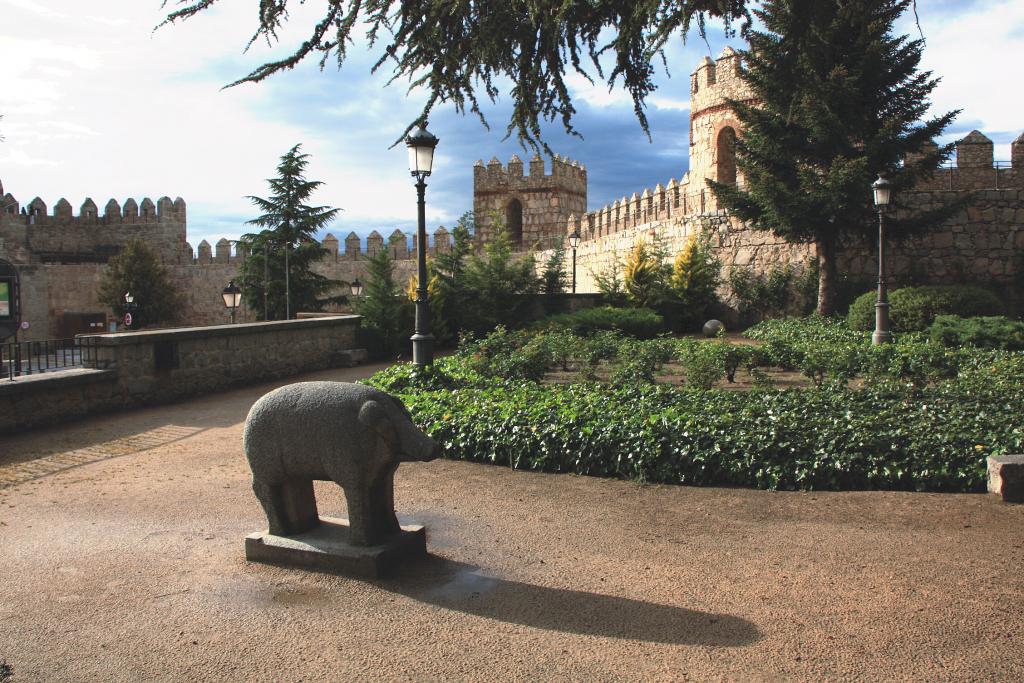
(350, 434)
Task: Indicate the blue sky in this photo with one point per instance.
(97, 105)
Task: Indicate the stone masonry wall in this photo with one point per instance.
(982, 244)
(61, 258)
(546, 201)
(143, 368)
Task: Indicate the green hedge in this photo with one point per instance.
(914, 309)
(887, 436)
(932, 433)
(993, 332)
(642, 323)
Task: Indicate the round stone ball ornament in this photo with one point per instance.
(713, 327)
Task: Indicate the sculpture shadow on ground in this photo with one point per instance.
(461, 587)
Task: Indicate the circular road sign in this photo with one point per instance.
(127, 319)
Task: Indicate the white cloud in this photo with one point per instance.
(978, 54)
(96, 104)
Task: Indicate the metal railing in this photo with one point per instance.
(19, 359)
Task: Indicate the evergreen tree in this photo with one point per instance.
(137, 269)
(840, 99)
(449, 270)
(384, 325)
(553, 279)
(695, 279)
(646, 275)
(286, 241)
(501, 284)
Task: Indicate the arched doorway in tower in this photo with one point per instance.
(514, 221)
(725, 157)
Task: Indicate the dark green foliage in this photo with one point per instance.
(451, 292)
(287, 241)
(462, 52)
(839, 100)
(387, 315)
(610, 284)
(914, 309)
(642, 323)
(992, 332)
(885, 436)
(553, 279)
(499, 284)
(137, 269)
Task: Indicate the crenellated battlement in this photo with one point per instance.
(715, 81)
(401, 246)
(566, 174)
(60, 235)
(534, 207)
(36, 211)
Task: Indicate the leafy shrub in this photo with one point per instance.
(695, 279)
(891, 437)
(931, 433)
(646, 276)
(642, 323)
(610, 285)
(782, 290)
(914, 309)
(994, 332)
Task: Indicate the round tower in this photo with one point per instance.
(713, 125)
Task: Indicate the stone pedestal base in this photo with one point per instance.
(1006, 477)
(327, 548)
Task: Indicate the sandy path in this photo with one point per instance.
(121, 558)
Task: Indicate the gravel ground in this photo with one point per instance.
(121, 559)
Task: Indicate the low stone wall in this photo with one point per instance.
(145, 368)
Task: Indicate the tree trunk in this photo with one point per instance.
(826, 251)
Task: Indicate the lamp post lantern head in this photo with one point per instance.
(883, 191)
(421, 144)
(357, 288)
(574, 239)
(232, 295)
(128, 298)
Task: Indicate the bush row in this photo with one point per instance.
(887, 436)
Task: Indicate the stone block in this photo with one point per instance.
(1006, 477)
(327, 548)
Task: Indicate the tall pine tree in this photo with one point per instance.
(287, 241)
(840, 100)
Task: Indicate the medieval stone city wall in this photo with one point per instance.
(983, 243)
(61, 257)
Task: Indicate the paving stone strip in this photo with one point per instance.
(29, 467)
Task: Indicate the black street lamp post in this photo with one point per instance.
(421, 146)
(232, 298)
(357, 288)
(882, 335)
(574, 242)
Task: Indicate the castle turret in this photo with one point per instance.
(534, 207)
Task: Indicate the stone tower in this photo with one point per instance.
(713, 126)
(534, 207)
